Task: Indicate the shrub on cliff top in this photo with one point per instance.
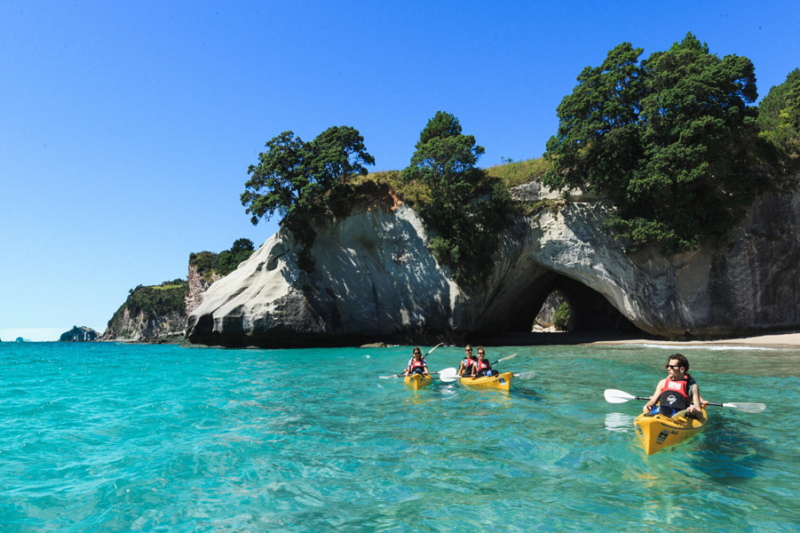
(465, 209)
(672, 142)
(223, 263)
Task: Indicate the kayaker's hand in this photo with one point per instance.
(691, 409)
(703, 404)
(646, 408)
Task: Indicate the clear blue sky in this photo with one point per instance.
(126, 128)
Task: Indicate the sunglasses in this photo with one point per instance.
(673, 367)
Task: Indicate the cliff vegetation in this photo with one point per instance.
(209, 263)
(147, 306)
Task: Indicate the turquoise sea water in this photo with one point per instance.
(101, 437)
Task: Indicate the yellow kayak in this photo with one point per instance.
(660, 431)
(501, 381)
(417, 381)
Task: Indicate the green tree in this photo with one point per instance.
(672, 142)
(466, 209)
(297, 180)
(779, 119)
(561, 316)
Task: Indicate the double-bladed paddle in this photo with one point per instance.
(401, 374)
(618, 396)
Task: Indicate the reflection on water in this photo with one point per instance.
(619, 422)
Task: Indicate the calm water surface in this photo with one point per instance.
(103, 437)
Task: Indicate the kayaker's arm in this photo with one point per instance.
(696, 399)
(654, 398)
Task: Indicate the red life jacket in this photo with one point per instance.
(416, 364)
(483, 365)
(468, 362)
(675, 394)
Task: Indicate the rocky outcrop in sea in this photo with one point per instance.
(375, 279)
(79, 334)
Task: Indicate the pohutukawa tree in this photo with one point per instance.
(671, 141)
(466, 210)
(298, 180)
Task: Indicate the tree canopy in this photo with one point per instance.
(465, 209)
(672, 141)
(223, 263)
(779, 119)
(295, 179)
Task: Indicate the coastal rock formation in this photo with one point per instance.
(141, 327)
(198, 285)
(376, 279)
(79, 334)
(150, 314)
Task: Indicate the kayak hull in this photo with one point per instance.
(501, 381)
(417, 381)
(659, 432)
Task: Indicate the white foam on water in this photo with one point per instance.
(714, 348)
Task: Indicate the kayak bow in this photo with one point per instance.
(417, 381)
(659, 431)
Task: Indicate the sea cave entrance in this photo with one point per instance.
(571, 306)
(515, 310)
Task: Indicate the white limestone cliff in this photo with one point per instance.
(376, 279)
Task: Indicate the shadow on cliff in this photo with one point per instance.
(593, 318)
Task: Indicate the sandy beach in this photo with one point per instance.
(789, 340)
(785, 339)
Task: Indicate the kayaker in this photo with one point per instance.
(482, 366)
(677, 392)
(417, 364)
(465, 369)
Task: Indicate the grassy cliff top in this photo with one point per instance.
(154, 300)
(512, 174)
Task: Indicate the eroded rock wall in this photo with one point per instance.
(197, 288)
(143, 327)
(375, 278)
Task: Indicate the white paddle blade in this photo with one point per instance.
(395, 376)
(525, 375)
(617, 396)
(512, 356)
(747, 407)
(448, 374)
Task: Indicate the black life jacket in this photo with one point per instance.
(675, 395)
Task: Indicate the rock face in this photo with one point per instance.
(79, 334)
(150, 314)
(140, 326)
(376, 280)
(544, 319)
(197, 287)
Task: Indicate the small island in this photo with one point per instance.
(79, 334)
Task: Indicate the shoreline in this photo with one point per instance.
(787, 340)
(783, 339)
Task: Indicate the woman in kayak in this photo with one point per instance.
(417, 364)
(482, 366)
(468, 363)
